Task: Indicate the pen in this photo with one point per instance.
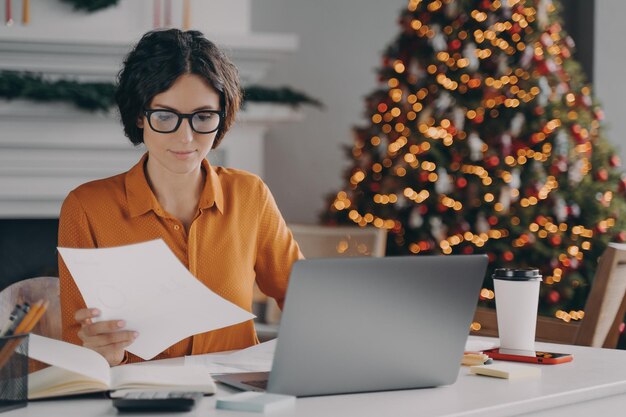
(24, 327)
(21, 312)
(12, 317)
(28, 318)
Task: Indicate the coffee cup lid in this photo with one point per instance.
(517, 274)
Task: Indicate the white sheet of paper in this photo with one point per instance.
(148, 287)
(257, 358)
(70, 357)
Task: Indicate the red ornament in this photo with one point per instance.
(542, 67)
(555, 240)
(491, 257)
(461, 182)
(423, 209)
(599, 114)
(454, 45)
(508, 256)
(559, 164)
(554, 297)
(493, 220)
(375, 187)
(468, 250)
(441, 208)
(425, 17)
(515, 28)
(424, 176)
(577, 131)
(621, 236)
(614, 161)
(493, 161)
(602, 174)
(424, 246)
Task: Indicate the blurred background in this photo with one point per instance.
(328, 50)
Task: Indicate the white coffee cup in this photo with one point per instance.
(517, 300)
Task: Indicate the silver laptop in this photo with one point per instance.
(371, 324)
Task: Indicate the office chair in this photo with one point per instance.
(317, 241)
(606, 304)
(604, 309)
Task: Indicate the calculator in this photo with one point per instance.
(157, 401)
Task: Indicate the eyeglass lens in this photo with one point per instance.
(202, 122)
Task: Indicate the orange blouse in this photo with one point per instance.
(237, 237)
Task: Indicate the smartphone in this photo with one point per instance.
(546, 358)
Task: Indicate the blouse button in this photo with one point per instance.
(176, 227)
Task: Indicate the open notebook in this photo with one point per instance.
(78, 370)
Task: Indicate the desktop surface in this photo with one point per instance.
(593, 384)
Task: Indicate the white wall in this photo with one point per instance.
(610, 68)
(341, 44)
(340, 47)
(53, 19)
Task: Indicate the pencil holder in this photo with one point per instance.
(13, 372)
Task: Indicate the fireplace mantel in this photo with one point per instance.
(254, 55)
(42, 158)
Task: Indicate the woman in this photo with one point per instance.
(178, 94)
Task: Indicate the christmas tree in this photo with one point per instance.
(484, 138)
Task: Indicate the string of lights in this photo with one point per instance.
(485, 138)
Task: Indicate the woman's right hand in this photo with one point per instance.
(105, 337)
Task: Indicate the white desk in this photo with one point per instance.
(594, 384)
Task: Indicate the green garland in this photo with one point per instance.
(100, 96)
(280, 95)
(91, 5)
(88, 96)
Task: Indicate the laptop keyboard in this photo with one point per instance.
(262, 383)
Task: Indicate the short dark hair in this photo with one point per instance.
(156, 62)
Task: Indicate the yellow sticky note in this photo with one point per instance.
(507, 370)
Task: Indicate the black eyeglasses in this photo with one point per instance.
(168, 121)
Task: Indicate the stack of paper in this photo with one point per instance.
(257, 358)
